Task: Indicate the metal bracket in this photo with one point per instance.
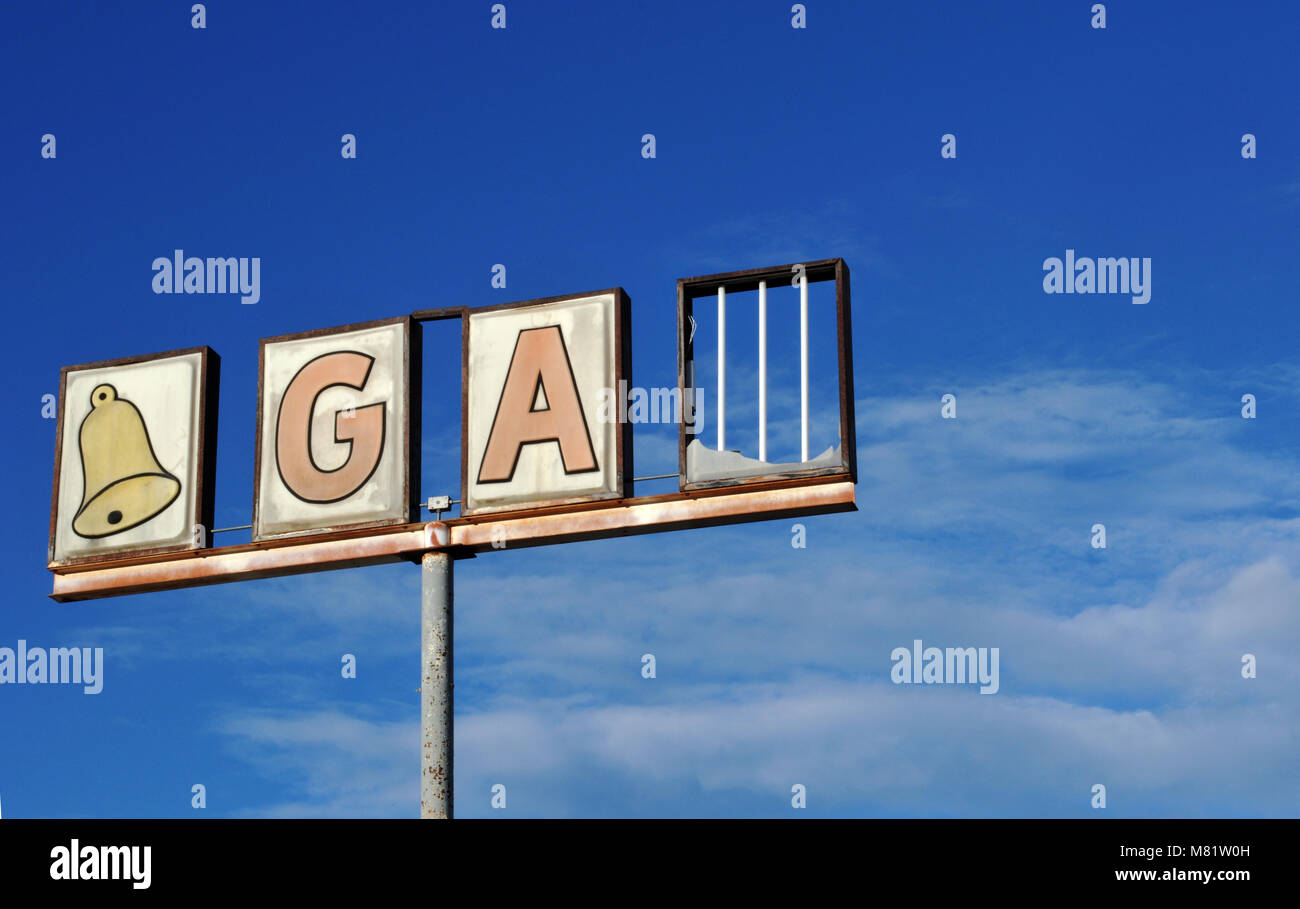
(438, 504)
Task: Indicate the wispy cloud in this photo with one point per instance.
(333, 764)
(1119, 666)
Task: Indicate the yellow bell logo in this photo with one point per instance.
(125, 485)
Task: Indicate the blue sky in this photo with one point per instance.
(522, 146)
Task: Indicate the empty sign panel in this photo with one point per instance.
(768, 426)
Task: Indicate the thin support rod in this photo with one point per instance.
(803, 367)
(762, 370)
(434, 315)
(722, 368)
(436, 570)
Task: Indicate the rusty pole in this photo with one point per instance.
(436, 570)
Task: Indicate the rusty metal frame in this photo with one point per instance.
(409, 445)
(622, 371)
(462, 537)
(204, 470)
(691, 289)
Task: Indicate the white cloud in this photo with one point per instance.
(1119, 666)
(334, 764)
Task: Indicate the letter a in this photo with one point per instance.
(539, 372)
(1054, 280)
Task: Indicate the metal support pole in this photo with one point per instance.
(436, 571)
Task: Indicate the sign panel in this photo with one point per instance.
(338, 418)
(135, 456)
(540, 379)
(705, 464)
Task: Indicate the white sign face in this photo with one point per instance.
(333, 434)
(537, 376)
(129, 461)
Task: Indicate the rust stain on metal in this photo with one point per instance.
(275, 558)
